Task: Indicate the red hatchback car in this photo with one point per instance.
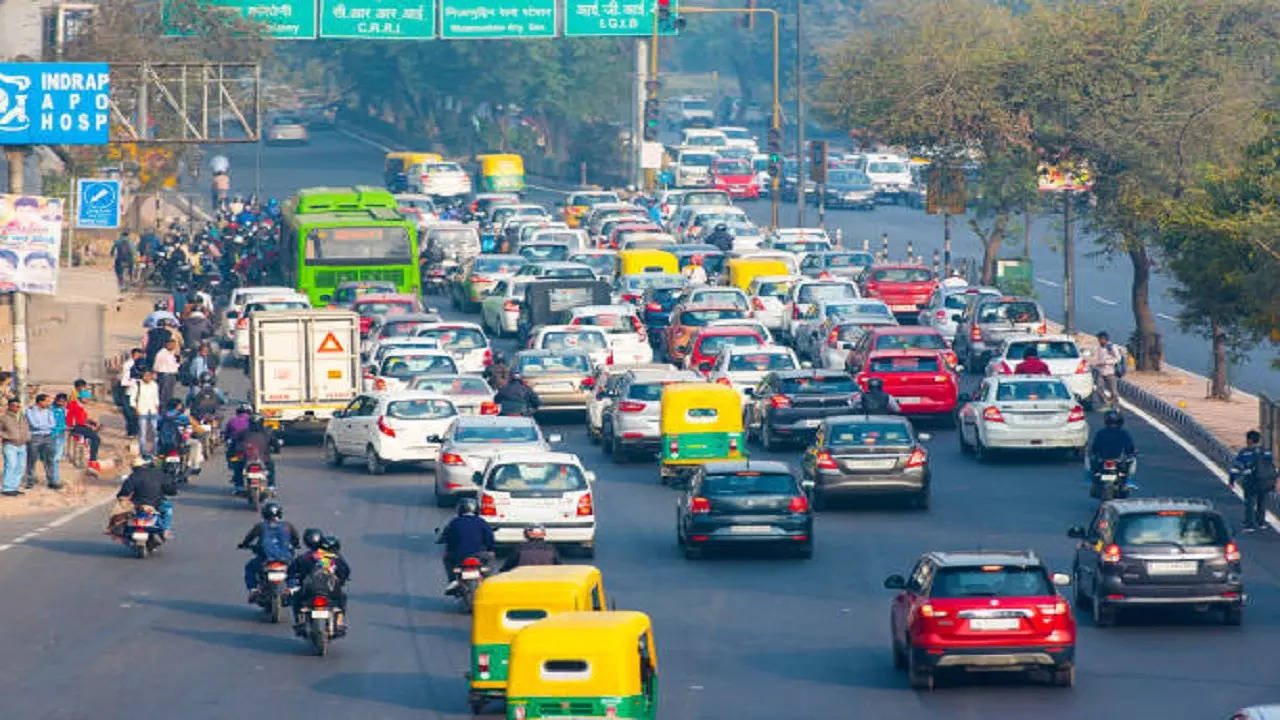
(735, 176)
(708, 343)
(370, 306)
(981, 610)
(918, 379)
(900, 337)
(904, 288)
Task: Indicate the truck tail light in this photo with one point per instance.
(629, 406)
(699, 506)
(917, 458)
(384, 428)
(584, 505)
(826, 462)
(1111, 554)
(1076, 414)
(992, 414)
(488, 506)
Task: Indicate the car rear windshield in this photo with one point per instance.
(545, 252)
(552, 364)
(649, 280)
(698, 318)
(589, 199)
(405, 366)
(453, 239)
(869, 433)
(497, 265)
(910, 341)
(820, 292)
(1050, 350)
(575, 273)
(613, 323)
(824, 384)
(496, 434)
(568, 237)
(774, 289)
(456, 338)
(601, 264)
(990, 581)
(757, 362)
(1033, 390)
(420, 409)
(666, 297)
(713, 344)
(748, 483)
(1012, 312)
(910, 363)
(648, 392)
(902, 275)
(401, 328)
(719, 297)
(1170, 527)
(574, 341)
(705, 197)
(840, 260)
(710, 263)
(518, 477)
(453, 386)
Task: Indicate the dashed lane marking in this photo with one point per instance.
(1105, 301)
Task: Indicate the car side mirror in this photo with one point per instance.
(434, 439)
(554, 438)
(477, 477)
(591, 477)
(1075, 531)
(895, 582)
(1061, 579)
(806, 365)
(924, 437)
(964, 398)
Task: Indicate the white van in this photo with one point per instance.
(890, 177)
(704, 139)
(693, 168)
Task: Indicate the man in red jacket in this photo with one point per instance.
(79, 423)
(1032, 364)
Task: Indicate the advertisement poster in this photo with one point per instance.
(30, 240)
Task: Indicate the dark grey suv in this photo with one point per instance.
(1157, 551)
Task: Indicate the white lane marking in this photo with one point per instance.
(4, 547)
(365, 140)
(1167, 317)
(1203, 459)
(1105, 301)
(58, 522)
(1050, 283)
(24, 537)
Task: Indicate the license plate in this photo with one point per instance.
(814, 422)
(989, 624)
(275, 576)
(470, 574)
(139, 537)
(871, 464)
(909, 400)
(1183, 567)
(1110, 477)
(555, 387)
(902, 308)
(750, 529)
(321, 614)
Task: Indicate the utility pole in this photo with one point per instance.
(946, 242)
(15, 156)
(1069, 265)
(637, 110)
(800, 178)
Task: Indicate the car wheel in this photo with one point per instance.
(1064, 676)
(445, 500)
(920, 500)
(587, 550)
(766, 438)
(919, 678)
(593, 436)
(1233, 614)
(965, 447)
(373, 464)
(617, 451)
(899, 657)
(331, 455)
(980, 451)
(819, 500)
(1081, 598)
(1104, 615)
(606, 440)
(692, 552)
(805, 551)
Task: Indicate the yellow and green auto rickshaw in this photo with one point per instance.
(396, 166)
(642, 260)
(584, 665)
(508, 602)
(742, 270)
(700, 422)
(500, 172)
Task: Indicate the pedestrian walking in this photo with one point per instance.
(145, 398)
(81, 425)
(1108, 367)
(122, 259)
(41, 422)
(1255, 470)
(120, 391)
(15, 434)
(166, 367)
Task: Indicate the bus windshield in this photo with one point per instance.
(346, 245)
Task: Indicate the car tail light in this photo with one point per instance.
(1111, 554)
(1076, 414)
(488, 356)
(488, 408)
(653, 307)
(975, 334)
(584, 505)
(608, 360)
(1058, 608)
(780, 401)
(699, 506)
(628, 406)
(952, 358)
(799, 505)
(724, 381)
(242, 322)
(1044, 328)
(757, 303)
(833, 337)
(453, 459)
(1082, 367)
(992, 414)
(511, 306)
(384, 428)
(589, 381)
(917, 458)
(826, 462)
(824, 275)
(930, 611)
(941, 378)
(479, 279)
(1004, 368)
(1232, 552)
(319, 601)
(795, 312)
(487, 505)
(380, 384)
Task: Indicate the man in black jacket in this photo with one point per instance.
(516, 398)
(149, 485)
(535, 550)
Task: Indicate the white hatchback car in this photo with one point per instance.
(552, 489)
(389, 427)
(628, 340)
(470, 394)
(563, 338)
(1029, 412)
(465, 341)
(398, 369)
(1065, 359)
(743, 368)
(768, 293)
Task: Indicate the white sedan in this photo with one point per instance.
(1029, 412)
(552, 489)
(388, 427)
(1065, 359)
(569, 338)
(742, 368)
(628, 340)
(465, 341)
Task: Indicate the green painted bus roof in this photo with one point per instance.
(341, 199)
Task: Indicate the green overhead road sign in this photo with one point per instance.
(463, 19)
(285, 19)
(612, 17)
(378, 19)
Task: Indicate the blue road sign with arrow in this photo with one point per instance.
(97, 203)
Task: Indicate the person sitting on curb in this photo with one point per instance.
(81, 425)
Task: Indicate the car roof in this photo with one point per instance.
(966, 558)
(1002, 378)
(451, 325)
(706, 306)
(499, 256)
(410, 351)
(899, 266)
(906, 330)
(541, 456)
(386, 297)
(543, 352)
(405, 317)
(569, 328)
(866, 418)
(390, 395)
(492, 420)
(1136, 505)
(1032, 337)
(617, 308)
(654, 375)
(768, 349)
(727, 330)
(811, 373)
(734, 466)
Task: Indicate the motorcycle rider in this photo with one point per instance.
(169, 435)
(1111, 442)
(497, 373)
(875, 401)
(465, 536)
(694, 272)
(517, 398)
(535, 550)
(321, 570)
(272, 540)
(149, 485)
(255, 444)
(205, 399)
(721, 238)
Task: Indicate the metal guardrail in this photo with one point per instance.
(1181, 422)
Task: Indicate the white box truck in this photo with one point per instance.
(303, 364)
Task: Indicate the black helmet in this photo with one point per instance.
(875, 383)
(721, 227)
(1113, 419)
(207, 378)
(244, 409)
(313, 538)
(162, 305)
(272, 511)
(466, 506)
(535, 530)
(499, 357)
(331, 543)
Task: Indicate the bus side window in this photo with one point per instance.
(595, 598)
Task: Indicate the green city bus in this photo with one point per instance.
(333, 235)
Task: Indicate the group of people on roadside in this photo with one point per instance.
(39, 434)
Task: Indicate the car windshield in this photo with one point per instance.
(910, 363)
(383, 308)
(525, 476)
(401, 328)
(1033, 390)
(453, 385)
(874, 308)
(713, 344)
(612, 323)
(566, 237)
(647, 391)
(286, 120)
(544, 252)
(696, 159)
(553, 364)
(698, 318)
(497, 265)
(821, 384)
(452, 239)
(748, 483)
(821, 292)
(694, 105)
(848, 260)
(599, 264)
(956, 301)
(1047, 350)
(665, 297)
(589, 199)
(405, 366)
(1009, 312)
(736, 133)
(568, 340)
(756, 362)
(347, 294)
(902, 275)
(778, 289)
(463, 338)
(443, 167)
(910, 341)
(990, 581)
(496, 433)
(416, 204)
(719, 297)
(886, 168)
(849, 178)
(733, 167)
(1170, 527)
(420, 409)
(840, 310)
(705, 197)
(650, 280)
(706, 141)
(869, 433)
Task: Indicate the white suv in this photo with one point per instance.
(628, 339)
(518, 489)
(890, 177)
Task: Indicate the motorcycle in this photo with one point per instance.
(175, 463)
(141, 532)
(255, 483)
(272, 590)
(1110, 479)
(470, 574)
(319, 621)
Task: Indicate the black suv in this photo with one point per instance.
(788, 406)
(1157, 551)
(744, 502)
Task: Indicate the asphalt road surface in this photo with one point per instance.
(92, 632)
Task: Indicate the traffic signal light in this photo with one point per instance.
(651, 119)
(818, 161)
(775, 151)
(664, 11)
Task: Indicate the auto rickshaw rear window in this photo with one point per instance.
(565, 669)
(701, 414)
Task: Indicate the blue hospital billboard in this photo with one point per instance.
(54, 103)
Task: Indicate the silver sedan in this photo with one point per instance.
(471, 441)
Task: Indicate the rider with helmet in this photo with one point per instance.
(1111, 442)
(498, 373)
(465, 536)
(875, 401)
(205, 399)
(151, 486)
(319, 570)
(721, 238)
(272, 540)
(517, 398)
(535, 550)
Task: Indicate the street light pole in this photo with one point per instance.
(800, 177)
(1069, 265)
